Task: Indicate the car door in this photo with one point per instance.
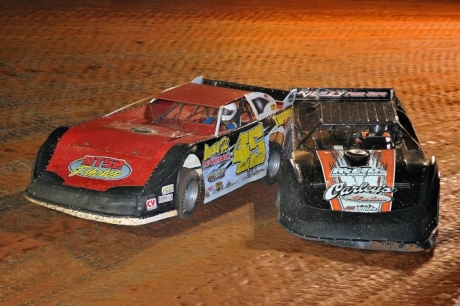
(235, 157)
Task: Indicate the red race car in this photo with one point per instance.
(150, 161)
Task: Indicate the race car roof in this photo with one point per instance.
(357, 112)
(201, 94)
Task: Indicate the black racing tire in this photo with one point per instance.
(188, 193)
(275, 158)
(287, 145)
(277, 200)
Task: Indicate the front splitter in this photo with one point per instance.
(106, 219)
(377, 245)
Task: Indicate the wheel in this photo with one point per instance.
(188, 193)
(274, 164)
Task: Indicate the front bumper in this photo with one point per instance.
(123, 206)
(119, 220)
(391, 231)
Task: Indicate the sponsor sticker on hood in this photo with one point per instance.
(100, 167)
(359, 180)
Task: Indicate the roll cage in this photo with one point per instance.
(324, 118)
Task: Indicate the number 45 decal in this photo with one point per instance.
(250, 149)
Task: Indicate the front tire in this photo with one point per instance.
(188, 193)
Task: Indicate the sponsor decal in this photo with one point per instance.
(210, 191)
(367, 188)
(364, 192)
(214, 176)
(165, 198)
(167, 189)
(100, 167)
(362, 94)
(376, 94)
(370, 198)
(321, 93)
(362, 208)
(357, 171)
(219, 147)
(230, 163)
(341, 92)
(216, 160)
(283, 117)
(151, 204)
(356, 94)
(250, 149)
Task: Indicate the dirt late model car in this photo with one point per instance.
(355, 174)
(149, 161)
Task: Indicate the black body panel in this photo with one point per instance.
(409, 229)
(329, 123)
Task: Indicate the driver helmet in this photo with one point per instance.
(378, 129)
(229, 111)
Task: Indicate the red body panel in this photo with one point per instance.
(104, 145)
(123, 149)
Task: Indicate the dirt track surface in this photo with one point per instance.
(64, 62)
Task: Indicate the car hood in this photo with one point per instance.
(102, 153)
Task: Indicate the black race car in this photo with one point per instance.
(354, 173)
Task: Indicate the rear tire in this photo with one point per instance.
(188, 193)
(274, 164)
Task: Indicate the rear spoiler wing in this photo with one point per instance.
(308, 94)
(276, 94)
(288, 97)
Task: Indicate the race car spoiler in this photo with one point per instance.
(339, 106)
(383, 94)
(308, 93)
(277, 94)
